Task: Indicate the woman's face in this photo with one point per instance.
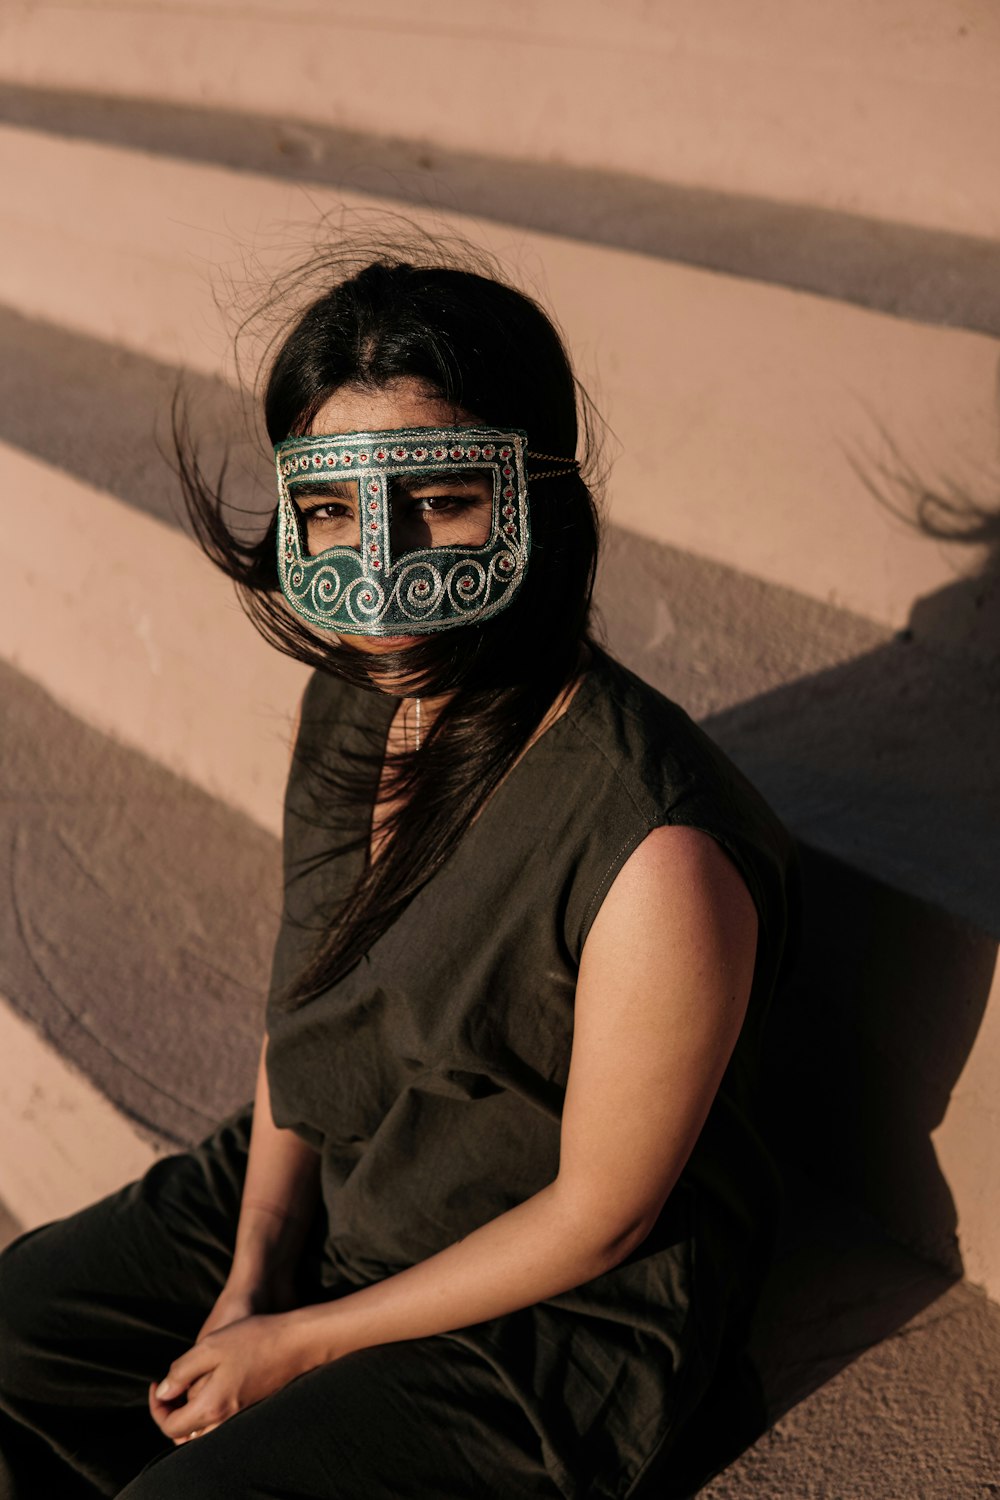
(427, 510)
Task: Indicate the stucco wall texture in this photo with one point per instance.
(770, 235)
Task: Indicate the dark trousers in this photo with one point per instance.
(95, 1306)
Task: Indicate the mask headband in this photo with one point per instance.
(365, 589)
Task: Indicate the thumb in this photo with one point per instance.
(196, 1361)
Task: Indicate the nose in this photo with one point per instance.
(408, 529)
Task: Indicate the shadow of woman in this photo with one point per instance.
(886, 769)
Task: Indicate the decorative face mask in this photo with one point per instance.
(403, 532)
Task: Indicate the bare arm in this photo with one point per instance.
(279, 1197)
(662, 992)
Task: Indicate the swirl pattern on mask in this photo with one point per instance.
(365, 590)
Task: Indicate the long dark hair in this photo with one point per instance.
(493, 352)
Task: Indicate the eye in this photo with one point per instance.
(446, 492)
(329, 511)
(328, 520)
(443, 502)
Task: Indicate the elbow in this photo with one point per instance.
(609, 1238)
(627, 1239)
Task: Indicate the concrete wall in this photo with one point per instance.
(889, 110)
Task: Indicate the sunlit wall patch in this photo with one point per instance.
(364, 589)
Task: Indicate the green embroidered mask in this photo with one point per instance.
(402, 532)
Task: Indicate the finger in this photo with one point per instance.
(192, 1419)
(160, 1410)
(198, 1432)
(198, 1360)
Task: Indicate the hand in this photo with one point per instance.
(235, 1303)
(228, 1370)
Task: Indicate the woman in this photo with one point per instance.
(497, 1217)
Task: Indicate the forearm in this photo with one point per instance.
(535, 1250)
(542, 1247)
(280, 1194)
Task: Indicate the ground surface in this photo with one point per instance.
(914, 1417)
(883, 1374)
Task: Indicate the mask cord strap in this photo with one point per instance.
(566, 465)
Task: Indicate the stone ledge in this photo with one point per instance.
(136, 922)
(795, 103)
(65, 1144)
(879, 1371)
(927, 275)
(136, 633)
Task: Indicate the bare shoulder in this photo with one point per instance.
(677, 876)
(674, 942)
(663, 988)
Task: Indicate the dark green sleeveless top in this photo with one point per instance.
(431, 1077)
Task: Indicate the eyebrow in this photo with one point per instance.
(457, 479)
(347, 489)
(336, 489)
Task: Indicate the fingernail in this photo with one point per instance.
(163, 1390)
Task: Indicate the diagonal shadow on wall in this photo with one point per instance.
(885, 765)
